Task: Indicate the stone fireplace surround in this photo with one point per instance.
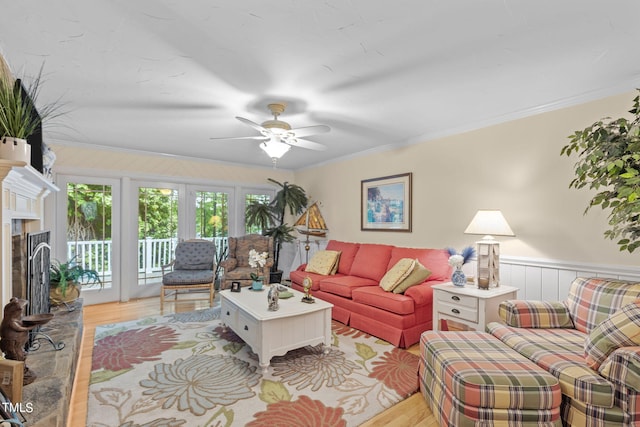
(24, 190)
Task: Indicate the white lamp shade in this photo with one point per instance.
(275, 148)
(489, 223)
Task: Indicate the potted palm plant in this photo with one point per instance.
(270, 217)
(66, 278)
(19, 118)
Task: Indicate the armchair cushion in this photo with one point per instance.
(622, 367)
(534, 314)
(187, 277)
(195, 255)
(621, 329)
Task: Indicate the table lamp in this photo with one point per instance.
(488, 223)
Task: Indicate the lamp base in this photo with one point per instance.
(488, 258)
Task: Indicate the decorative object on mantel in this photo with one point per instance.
(19, 117)
(608, 161)
(311, 223)
(489, 223)
(457, 260)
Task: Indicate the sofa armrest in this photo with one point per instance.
(535, 314)
(421, 294)
(229, 264)
(622, 367)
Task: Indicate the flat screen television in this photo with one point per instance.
(35, 140)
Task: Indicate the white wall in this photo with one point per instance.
(515, 167)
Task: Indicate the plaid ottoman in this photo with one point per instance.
(471, 378)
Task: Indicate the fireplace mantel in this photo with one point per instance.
(23, 192)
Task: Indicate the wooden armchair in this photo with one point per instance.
(192, 269)
(236, 266)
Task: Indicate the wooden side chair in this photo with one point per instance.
(193, 268)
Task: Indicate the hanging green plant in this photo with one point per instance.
(609, 162)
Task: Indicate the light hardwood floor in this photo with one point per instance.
(413, 411)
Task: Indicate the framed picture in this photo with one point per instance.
(235, 286)
(386, 203)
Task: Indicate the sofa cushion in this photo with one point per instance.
(323, 262)
(297, 276)
(347, 254)
(344, 285)
(371, 261)
(375, 296)
(592, 300)
(435, 260)
(621, 329)
(560, 352)
(534, 314)
(418, 275)
(397, 274)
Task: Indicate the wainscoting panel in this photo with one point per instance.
(549, 280)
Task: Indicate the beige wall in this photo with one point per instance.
(69, 158)
(515, 167)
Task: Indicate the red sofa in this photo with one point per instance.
(361, 303)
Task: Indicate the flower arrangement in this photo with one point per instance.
(257, 260)
(457, 260)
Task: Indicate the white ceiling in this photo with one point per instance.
(167, 75)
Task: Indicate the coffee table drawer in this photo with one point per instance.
(229, 314)
(246, 328)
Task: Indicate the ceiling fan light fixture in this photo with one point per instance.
(275, 148)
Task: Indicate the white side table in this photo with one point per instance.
(469, 305)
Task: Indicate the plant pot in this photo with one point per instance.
(72, 294)
(15, 149)
(275, 276)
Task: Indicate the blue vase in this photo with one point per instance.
(458, 278)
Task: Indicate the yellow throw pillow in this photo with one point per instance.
(417, 276)
(324, 262)
(397, 273)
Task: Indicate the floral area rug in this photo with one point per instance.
(186, 369)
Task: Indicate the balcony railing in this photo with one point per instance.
(152, 254)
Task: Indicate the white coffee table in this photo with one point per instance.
(273, 333)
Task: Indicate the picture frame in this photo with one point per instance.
(385, 203)
(235, 287)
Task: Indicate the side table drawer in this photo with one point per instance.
(457, 300)
(459, 311)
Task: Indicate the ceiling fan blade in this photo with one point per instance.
(310, 130)
(304, 143)
(262, 138)
(254, 125)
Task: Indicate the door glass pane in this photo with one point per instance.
(157, 231)
(249, 199)
(212, 218)
(89, 229)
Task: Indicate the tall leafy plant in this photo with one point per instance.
(609, 162)
(270, 217)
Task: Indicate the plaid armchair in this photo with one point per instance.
(236, 266)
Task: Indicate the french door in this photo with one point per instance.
(88, 231)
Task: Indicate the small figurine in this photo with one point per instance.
(306, 284)
(272, 298)
(14, 335)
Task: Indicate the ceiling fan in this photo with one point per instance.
(278, 137)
